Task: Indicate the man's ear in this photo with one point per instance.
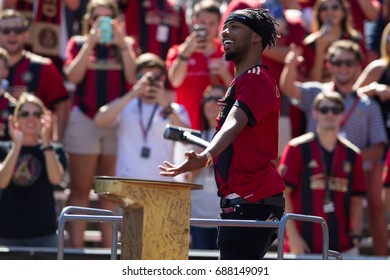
(257, 38)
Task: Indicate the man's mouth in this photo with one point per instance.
(227, 42)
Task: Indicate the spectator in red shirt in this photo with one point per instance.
(33, 73)
(197, 63)
(47, 25)
(324, 176)
(7, 102)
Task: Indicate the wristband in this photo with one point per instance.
(47, 148)
(182, 57)
(209, 161)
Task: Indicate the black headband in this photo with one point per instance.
(251, 23)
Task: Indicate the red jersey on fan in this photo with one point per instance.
(37, 74)
(103, 81)
(190, 92)
(156, 25)
(302, 167)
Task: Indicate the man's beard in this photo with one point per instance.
(15, 51)
(229, 56)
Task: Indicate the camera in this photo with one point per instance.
(153, 79)
(200, 30)
(105, 28)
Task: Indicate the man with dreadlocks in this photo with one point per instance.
(246, 139)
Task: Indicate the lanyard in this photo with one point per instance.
(350, 111)
(328, 173)
(146, 130)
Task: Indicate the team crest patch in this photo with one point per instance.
(27, 77)
(27, 171)
(313, 164)
(48, 38)
(347, 168)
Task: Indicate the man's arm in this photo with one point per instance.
(373, 152)
(178, 71)
(108, 114)
(356, 217)
(289, 76)
(370, 11)
(235, 122)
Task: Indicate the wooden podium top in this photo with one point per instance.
(146, 183)
(127, 191)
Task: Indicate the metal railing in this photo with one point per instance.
(100, 215)
(281, 225)
(87, 214)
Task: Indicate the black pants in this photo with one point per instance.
(247, 243)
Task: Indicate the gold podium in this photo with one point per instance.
(156, 216)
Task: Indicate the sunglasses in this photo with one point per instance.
(334, 7)
(26, 114)
(16, 30)
(211, 98)
(340, 62)
(325, 109)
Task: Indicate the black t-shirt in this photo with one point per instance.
(27, 206)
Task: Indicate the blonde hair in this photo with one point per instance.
(4, 57)
(93, 4)
(28, 98)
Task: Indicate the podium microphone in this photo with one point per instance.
(187, 135)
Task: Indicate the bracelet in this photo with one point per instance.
(47, 148)
(182, 57)
(209, 161)
(167, 111)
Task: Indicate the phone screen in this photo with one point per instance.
(105, 29)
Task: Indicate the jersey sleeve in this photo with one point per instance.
(290, 166)
(51, 88)
(257, 97)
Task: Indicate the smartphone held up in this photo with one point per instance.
(105, 28)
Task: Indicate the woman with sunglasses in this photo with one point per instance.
(31, 166)
(331, 22)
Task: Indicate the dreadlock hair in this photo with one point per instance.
(260, 21)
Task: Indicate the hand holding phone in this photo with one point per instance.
(201, 34)
(105, 28)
